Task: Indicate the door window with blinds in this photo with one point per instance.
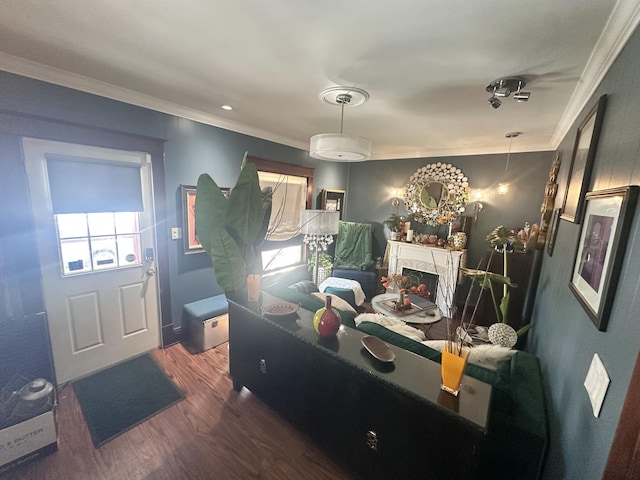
(95, 205)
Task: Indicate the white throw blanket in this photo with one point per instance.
(487, 356)
(393, 324)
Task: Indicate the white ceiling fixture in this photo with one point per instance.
(338, 147)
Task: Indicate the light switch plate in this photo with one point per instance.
(597, 383)
(176, 233)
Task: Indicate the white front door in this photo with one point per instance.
(98, 269)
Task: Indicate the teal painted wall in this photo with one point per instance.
(191, 148)
(564, 338)
(370, 185)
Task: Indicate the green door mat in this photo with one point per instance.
(123, 396)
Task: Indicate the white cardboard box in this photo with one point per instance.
(28, 440)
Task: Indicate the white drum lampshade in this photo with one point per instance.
(339, 147)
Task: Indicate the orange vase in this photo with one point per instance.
(454, 361)
(253, 287)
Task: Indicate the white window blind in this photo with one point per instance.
(84, 185)
(289, 197)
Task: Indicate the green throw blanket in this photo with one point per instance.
(353, 247)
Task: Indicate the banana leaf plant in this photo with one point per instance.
(232, 230)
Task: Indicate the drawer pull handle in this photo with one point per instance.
(263, 365)
(372, 440)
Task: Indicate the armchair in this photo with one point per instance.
(353, 256)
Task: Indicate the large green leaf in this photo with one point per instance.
(244, 215)
(211, 209)
(501, 235)
(228, 263)
(482, 277)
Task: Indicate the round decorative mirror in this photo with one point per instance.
(436, 194)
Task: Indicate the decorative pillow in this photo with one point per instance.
(487, 356)
(304, 286)
(336, 301)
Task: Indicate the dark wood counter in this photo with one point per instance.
(383, 420)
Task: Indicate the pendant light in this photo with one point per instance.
(338, 147)
(503, 187)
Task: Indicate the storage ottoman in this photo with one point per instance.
(207, 322)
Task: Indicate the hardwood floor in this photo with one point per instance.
(214, 433)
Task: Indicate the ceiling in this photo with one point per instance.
(425, 64)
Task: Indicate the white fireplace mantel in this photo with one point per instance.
(435, 260)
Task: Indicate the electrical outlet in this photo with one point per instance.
(176, 233)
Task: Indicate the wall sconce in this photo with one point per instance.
(477, 205)
(394, 200)
(503, 188)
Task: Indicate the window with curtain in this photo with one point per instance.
(292, 186)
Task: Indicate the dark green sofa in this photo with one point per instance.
(518, 433)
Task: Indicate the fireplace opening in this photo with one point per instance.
(429, 279)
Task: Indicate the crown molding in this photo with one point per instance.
(621, 24)
(624, 19)
(56, 76)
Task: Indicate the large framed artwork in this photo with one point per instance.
(189, 236)
(333, 200)
(601, 249)
(584, 153)
(552, 232)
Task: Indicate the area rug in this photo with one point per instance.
(123, 396)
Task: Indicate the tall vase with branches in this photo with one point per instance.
(501, 332)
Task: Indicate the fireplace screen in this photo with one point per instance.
(429, 279)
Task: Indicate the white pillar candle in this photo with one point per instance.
(409, 235)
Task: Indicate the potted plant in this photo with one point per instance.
(394, 223)
(232, 230)
(325, 264)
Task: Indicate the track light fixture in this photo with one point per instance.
(494, 101)
(503, 87)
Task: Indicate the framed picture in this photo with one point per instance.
(552, 231)
(189, 236)
(584, 153)
(601, 248)
(333, 200)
